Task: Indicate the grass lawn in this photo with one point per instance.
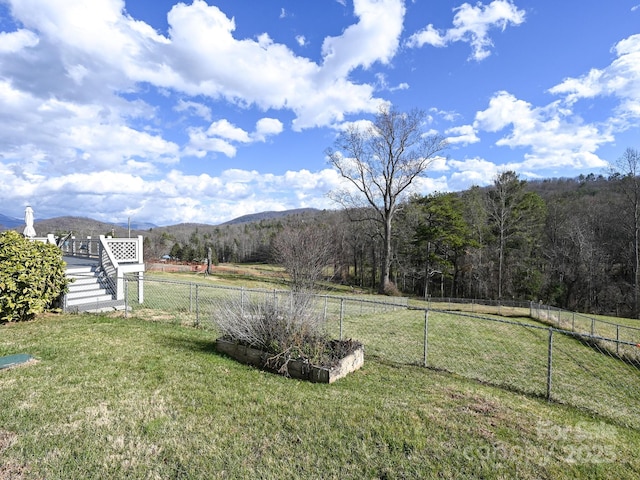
(125, 398)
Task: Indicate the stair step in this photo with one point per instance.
(97, 307)
(86, 270)
(84, 283)
(86, 291)
(87, 300)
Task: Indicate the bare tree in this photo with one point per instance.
(381, 161)
(304, 250)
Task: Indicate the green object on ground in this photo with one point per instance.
(13, 360)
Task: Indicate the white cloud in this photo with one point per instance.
(621, 79)
(210, 61)
(301, 40)
(224, 129)
(383, 84)
(379, 19)
(464, 134)
(176, 195)
(196, 108)
(200, 144)
(266, 127)
(471, 24)
(449, 116)
(472, 171)
(553, 135)
(16, 41)
(427, 36)
(99, 44)
(222, 137)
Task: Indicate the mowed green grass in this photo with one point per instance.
(111, 397)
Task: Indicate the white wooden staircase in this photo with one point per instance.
(88, 292)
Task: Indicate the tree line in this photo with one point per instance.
(571, 243)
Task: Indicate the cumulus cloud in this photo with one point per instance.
(223, 137)
(464, 134)
(176, 195)
(620, 79)
(201, 56)
(472, 171)
(209, 60)
(471, 24)
(553, 136)
(381, 19)
(224, 129)
(266, 127)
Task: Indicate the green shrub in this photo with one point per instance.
(32, 277)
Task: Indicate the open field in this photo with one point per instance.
(124, 398)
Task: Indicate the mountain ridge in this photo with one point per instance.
(10, 222)
(83, 226)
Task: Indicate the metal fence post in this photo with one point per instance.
(190, 297)
(126, 297)
(324, 312)
(341, 315)
(617, 339)
(426, 329)
(549, 364)
(291, 302)
(593, 326)
(197, 308)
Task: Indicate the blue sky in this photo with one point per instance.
(169, 112)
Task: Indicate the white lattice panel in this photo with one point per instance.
(124, 251)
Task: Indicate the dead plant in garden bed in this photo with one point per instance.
(287, 328)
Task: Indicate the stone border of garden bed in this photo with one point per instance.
(299, 369)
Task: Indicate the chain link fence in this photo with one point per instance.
(619, 339)
(595, 367)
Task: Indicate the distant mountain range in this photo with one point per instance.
(256, 217)
(10, 222)
(83, 226)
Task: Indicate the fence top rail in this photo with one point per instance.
(606, 322)
(478, 301)
(586, 336)
(479, 317)
(581, 315)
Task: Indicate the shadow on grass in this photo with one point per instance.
(190, 344)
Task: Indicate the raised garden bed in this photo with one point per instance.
(349, 357)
